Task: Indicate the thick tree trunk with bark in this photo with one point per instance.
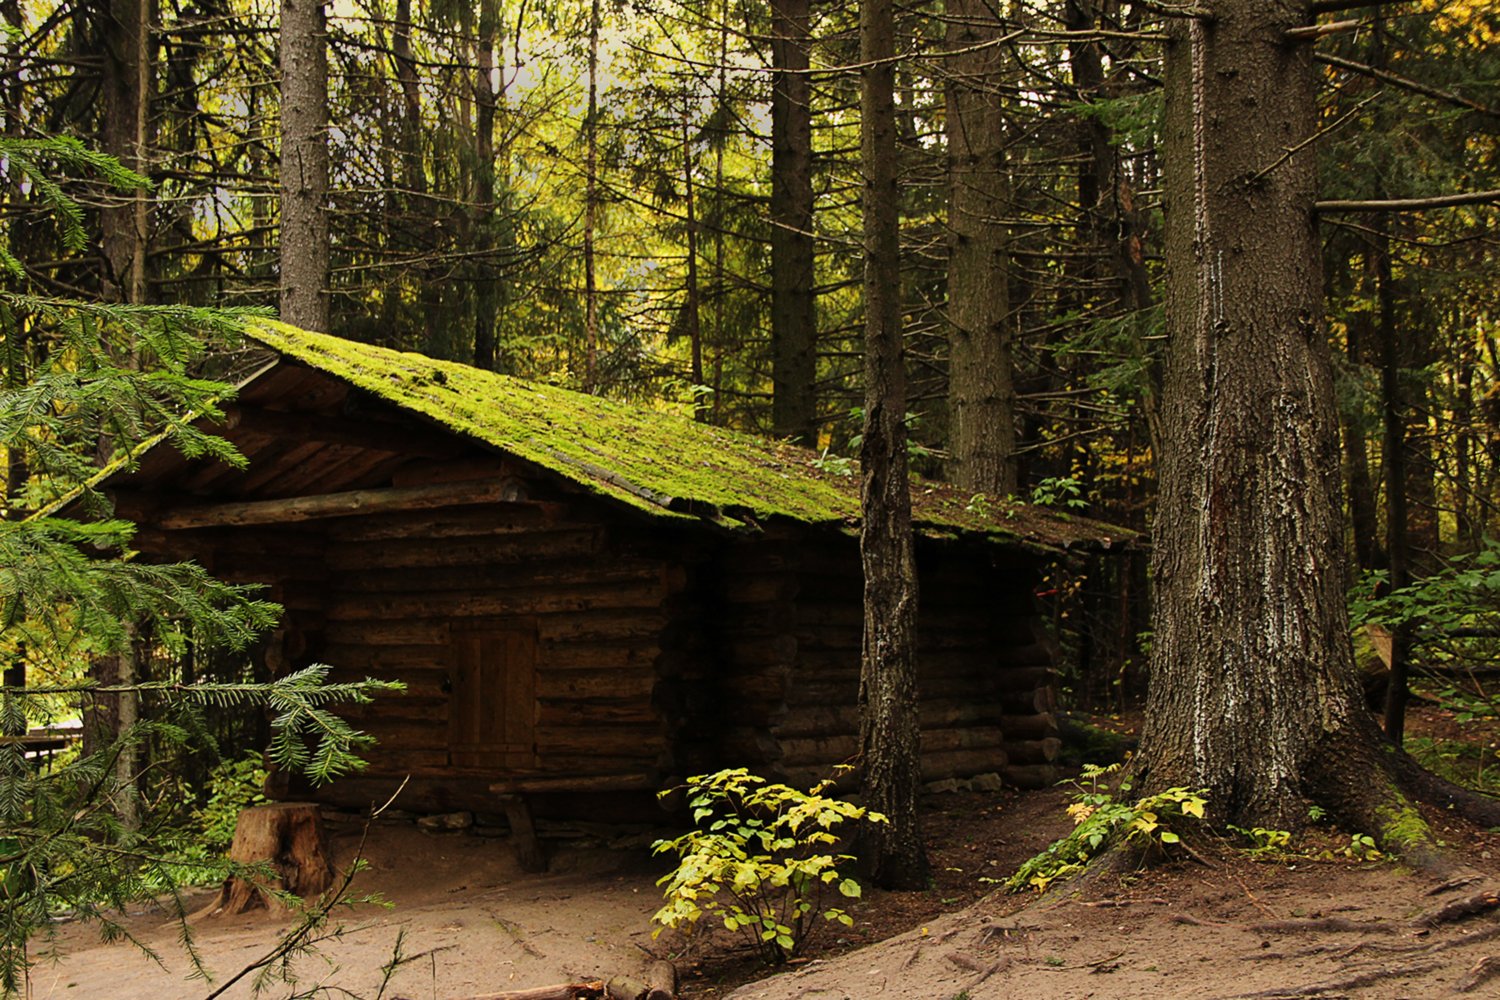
(981, 394)
(1253, 689)
(793, 307)
(304, 164)
(889, 734)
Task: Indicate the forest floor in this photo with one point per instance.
(1315, 923)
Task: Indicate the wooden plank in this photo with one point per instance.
(522, 600)
(305, 508)
(609, 684)
(457, 522)
(420, 553)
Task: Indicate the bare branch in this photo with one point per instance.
(1409, 204)
(1416, 87)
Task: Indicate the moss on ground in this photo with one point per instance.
(661, 463)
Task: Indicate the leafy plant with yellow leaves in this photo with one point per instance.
(761, 860)
(1102, 821)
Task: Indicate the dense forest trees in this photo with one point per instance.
(668, 202)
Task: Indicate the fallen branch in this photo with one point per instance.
(593, 990)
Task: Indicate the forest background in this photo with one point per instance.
(662, 203)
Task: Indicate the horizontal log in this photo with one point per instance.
(535, 600)
(834, 748)
(456, 522)
(645, 758)
(499, 576)
(757, 588)
(749, 652)
(601, 711)
(1034, 726)
(962, 763)
(633, 781)
(604, 626)
(1031, 776)
(358, 657)
(344, 504)
(600, 740)
(1043, 751)
(569, 685)
(562, 543)
(626, 654)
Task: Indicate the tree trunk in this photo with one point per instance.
(591, 211)
(1253, 691)
(488, 283)
(126, 87)
(693, 296)
(793, 305)
(288, 836)
(981, 394)
(304, 164)
(889, 734)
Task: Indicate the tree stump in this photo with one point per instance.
(289, 837)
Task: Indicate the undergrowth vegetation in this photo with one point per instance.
(761, 859)
(1102, 821)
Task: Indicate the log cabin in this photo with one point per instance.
(587, 597)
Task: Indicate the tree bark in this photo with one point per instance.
(889, 734)
(1253, 691)
(126, 87)
(288, 836)
(488, 284)
(793, 305)
(981, 393)
(591, 211)
(304, 164)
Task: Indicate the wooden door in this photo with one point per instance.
(492, 709)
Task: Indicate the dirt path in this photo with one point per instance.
(460, 903)
(1236, 927)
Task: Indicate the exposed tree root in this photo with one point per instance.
(1335, 925)
(1484, 970)
(1460, 909)
(1353, 982)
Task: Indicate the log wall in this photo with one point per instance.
(792, 620)
(403, 589)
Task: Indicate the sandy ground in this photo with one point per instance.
(1226, 926)
(460, 906)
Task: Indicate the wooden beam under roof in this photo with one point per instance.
(170, 514)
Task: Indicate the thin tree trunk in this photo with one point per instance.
(694, 293)
(126, 88)
(591, 211)
(1393, 423)
(304, 164)
(889, 734)
(488, 283)
(793, 304)
(981, 392)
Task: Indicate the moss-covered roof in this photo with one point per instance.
(661, 463)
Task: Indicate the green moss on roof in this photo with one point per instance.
(661, 463)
